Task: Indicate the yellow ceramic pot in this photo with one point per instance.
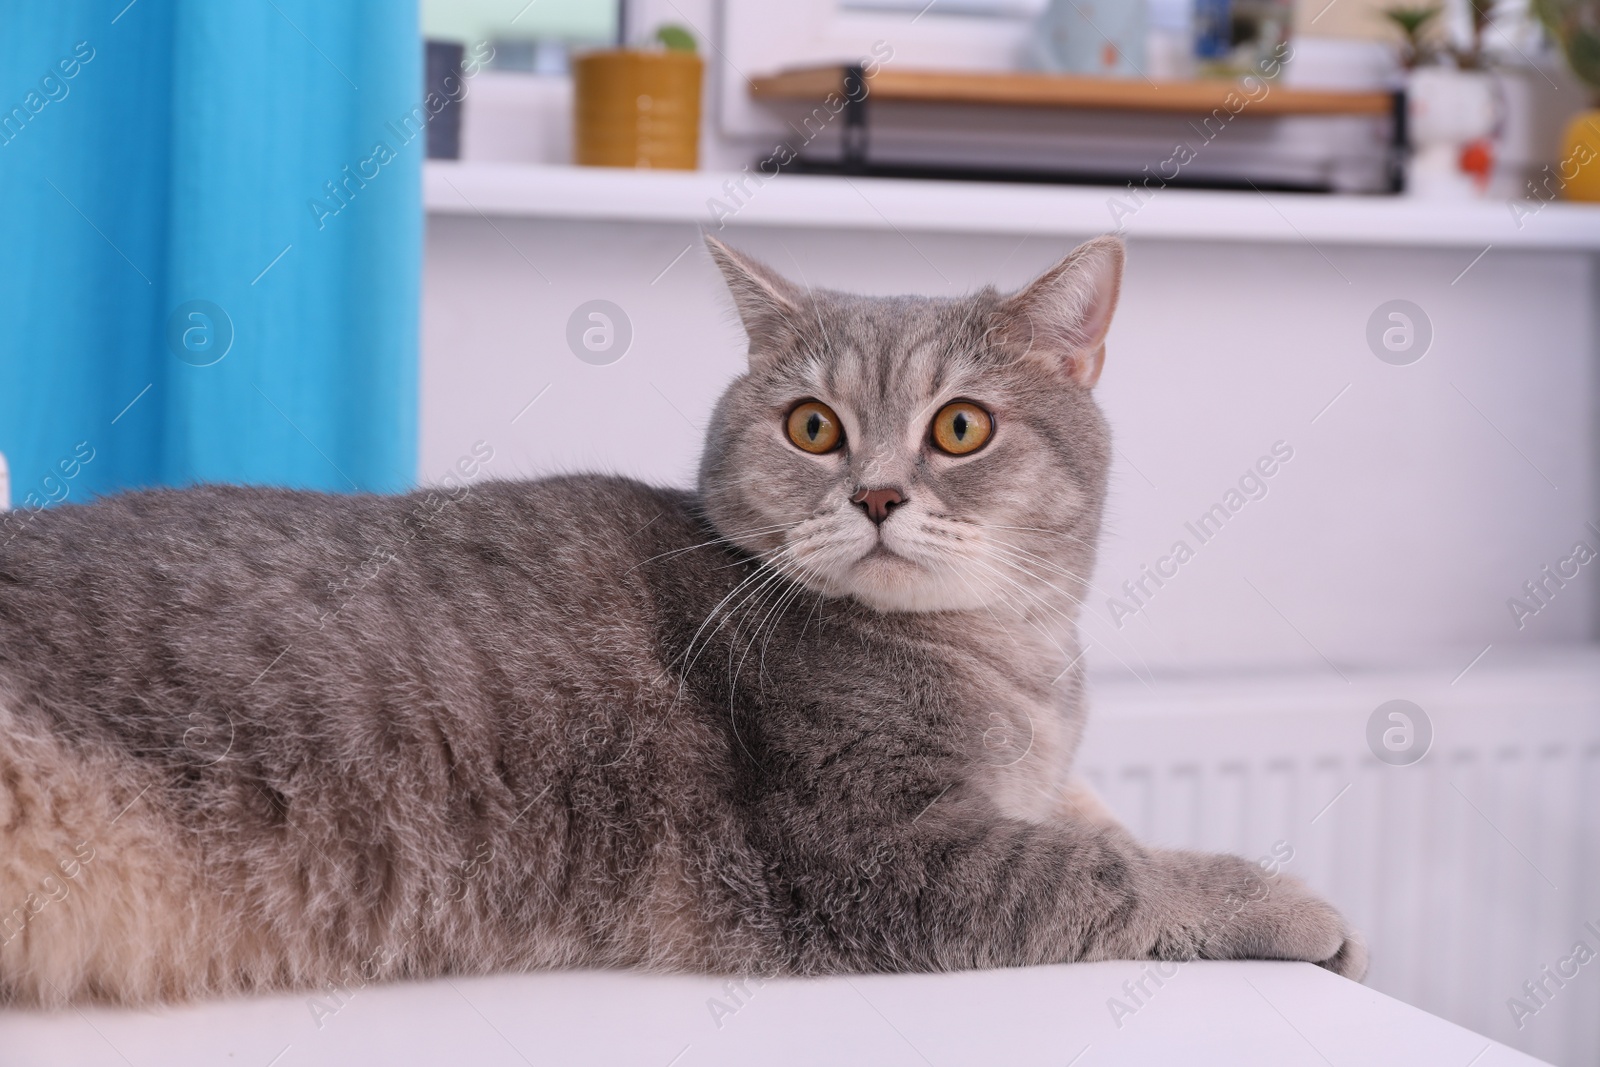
(1579, 168)
(637, 109)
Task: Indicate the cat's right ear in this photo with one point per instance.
(767, 301)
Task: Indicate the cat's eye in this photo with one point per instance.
(962, 427)
(814, 427)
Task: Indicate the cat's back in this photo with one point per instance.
(266, 531)
(253, 537)
(176, 587)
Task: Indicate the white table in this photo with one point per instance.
(1235, 1014)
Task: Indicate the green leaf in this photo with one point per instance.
(1575, 24)
(1411, 20)
(675, 38)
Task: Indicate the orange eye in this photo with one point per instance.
(814, 427)
(961, 427)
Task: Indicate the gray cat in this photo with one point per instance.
(817, 717)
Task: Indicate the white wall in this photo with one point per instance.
(1398, 531)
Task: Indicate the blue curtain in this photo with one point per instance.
(210, 243)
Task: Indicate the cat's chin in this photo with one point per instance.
(889, 582)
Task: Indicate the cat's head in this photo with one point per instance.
(918, 454)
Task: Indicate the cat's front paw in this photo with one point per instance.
(1244, 913)
(1292, 922)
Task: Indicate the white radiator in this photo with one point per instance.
(1474, 873)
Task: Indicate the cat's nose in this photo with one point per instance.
(877, 503)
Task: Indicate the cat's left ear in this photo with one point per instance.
(1063, 315)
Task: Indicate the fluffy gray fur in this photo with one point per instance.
(253, 738)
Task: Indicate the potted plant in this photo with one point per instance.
(639, 107)
(1453, 105)
(1575, 25)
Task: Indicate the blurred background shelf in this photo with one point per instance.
(710, 199)
(851, 93)
(1023, 89)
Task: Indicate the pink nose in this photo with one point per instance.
(877, 503)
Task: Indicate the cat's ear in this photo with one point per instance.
(1062, 316)
(766, 300)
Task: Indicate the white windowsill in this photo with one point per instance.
(794, 200)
